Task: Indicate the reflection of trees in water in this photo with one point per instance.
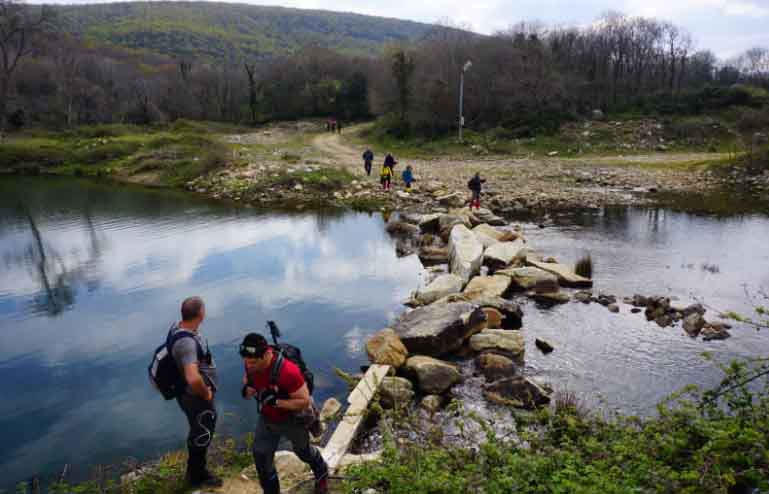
(57, 280)
(326, 218)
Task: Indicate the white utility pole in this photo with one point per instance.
(465, 68)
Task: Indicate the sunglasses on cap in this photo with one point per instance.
(252, 351)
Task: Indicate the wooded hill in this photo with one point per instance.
(231, 31)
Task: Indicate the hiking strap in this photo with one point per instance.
(275, 371)
(175, 334)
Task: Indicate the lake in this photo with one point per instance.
(92, 276)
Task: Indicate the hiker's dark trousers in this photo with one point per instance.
(266, 439)
(201, 415)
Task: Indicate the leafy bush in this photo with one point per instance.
(716, 442)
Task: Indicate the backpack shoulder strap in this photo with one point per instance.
(175, 335)
(275, 371)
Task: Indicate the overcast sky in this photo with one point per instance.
(725, 26)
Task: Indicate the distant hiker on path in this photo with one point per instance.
(368, 158)
(281, 392)
(339, 127)
(408, 177)
(196, 365)
(390, 161)
(386, 176)
(475, 185)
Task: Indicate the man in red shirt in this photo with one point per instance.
(278, 401)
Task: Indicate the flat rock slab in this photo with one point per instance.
(566, 276)
(487, 286)
(518, 392)
(489, 231)
(502, 254)
(438, 329)
(531, 278)
(443, 285)
(501, 340)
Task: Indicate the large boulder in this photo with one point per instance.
(499, 340)
(518, 392)
(430, 223)
(531, 278)
(487, 286)
(386, 348)
(502, 254)
(465, 253)
(511, 312)
(396, 392)
(443, 285)
(485, 240)
(439, 328)
(494, 366)
(489, 231)
(433, 376)
(431, 256)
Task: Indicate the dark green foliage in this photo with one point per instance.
(710, 443)
(227, 32)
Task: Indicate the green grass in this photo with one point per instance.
(172, 154)
(322, 180)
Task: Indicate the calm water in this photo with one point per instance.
(81, 310)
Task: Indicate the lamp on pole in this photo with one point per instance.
(465, 68)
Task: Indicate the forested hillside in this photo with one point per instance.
(228, 32)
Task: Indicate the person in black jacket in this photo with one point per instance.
(368, 158)
(475, 185)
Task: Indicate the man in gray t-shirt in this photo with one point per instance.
(185, 352)
(196, 364)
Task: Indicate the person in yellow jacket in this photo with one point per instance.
(386, 177)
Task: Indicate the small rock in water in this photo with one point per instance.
(635, 310)
(544, 346)
(693, 324)
(613, 308)
(584, 297)
(715, 332)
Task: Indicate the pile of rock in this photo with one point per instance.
(692, 317)
(465, 310)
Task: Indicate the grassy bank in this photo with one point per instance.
(700, 442)
(626, 134)
(165, 155)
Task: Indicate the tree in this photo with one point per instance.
(252, 102)
(403, 69)
(20, 27)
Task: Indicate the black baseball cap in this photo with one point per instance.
(254, 345)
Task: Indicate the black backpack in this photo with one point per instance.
(163, 372)
(292, 353)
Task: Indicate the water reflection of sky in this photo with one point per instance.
(77, 390)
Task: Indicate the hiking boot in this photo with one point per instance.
(321, 486)
(206, 480)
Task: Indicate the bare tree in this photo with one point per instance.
(20, 26)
